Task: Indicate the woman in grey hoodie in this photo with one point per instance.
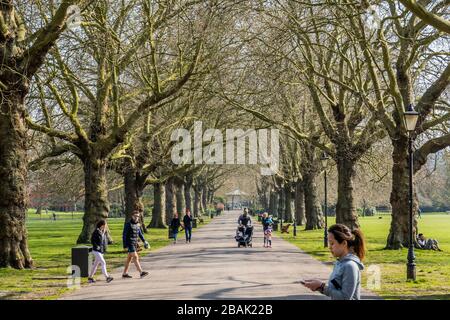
(345, 281)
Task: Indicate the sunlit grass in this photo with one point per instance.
(433, 268)
(50, 244)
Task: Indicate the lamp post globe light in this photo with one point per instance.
(324, 159)
(411, 117)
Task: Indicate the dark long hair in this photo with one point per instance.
(101, 223)
(354, 238)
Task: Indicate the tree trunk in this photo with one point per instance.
(13, 172)
(171, 200)
(204, 198)
(345, 206)
(274, 203)
(289, 215)
(96, 205)
(181, 202)
(159, 207)
(281, 202)
(133, 196)
(188, 193)
(197, 201)
(314, 216)
(299, 203)
(398, 234)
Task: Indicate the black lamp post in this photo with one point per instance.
(324, 158)
(411, 117)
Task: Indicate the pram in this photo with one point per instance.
(244, 236)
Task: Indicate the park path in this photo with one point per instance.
(212, 267)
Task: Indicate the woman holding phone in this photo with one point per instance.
(345, 281)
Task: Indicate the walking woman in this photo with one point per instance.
(175, 224)
(345, 280)
(98, 240)
(187, 221)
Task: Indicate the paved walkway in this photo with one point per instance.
(212, 267)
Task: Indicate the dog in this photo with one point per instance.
(285, 228)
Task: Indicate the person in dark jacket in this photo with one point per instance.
(98, 240)
(244, 219)
(175, 225)
(131, 233)
(187, 221)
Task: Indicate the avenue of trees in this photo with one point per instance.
(94, 103)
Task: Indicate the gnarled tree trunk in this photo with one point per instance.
(134, 189)
(197, 201)
(299, 203)
(96, 205)
(398, 233)
(13, 171)
(345, 206)
(314, 216)
(273, 205)
(289, 212)
(171, 200)
(181, 201)
(159, 207)
(188, 193)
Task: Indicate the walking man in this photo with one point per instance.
(131, 233)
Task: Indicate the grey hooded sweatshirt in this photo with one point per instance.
(346, 275)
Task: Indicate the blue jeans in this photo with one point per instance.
(188, 232)
(175, 235)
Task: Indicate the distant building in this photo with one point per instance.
(237, 199)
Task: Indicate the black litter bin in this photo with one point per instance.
(194, 223)
(81, 257)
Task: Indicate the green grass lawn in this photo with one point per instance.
(50, 244)
(433, 268)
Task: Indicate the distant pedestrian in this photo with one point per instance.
(267, 223)
(419, 212)
(187, 222)
(131, 234)
(175, 225)
(98, 240)
(54, 216)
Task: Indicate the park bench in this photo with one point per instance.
(285, 228)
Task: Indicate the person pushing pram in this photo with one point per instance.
(244, 230)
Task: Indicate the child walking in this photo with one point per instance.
(267, 228)
(98, 241)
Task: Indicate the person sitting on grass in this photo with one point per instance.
(427, 244)
(131, 234)
(348, 246)
(98, 240)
